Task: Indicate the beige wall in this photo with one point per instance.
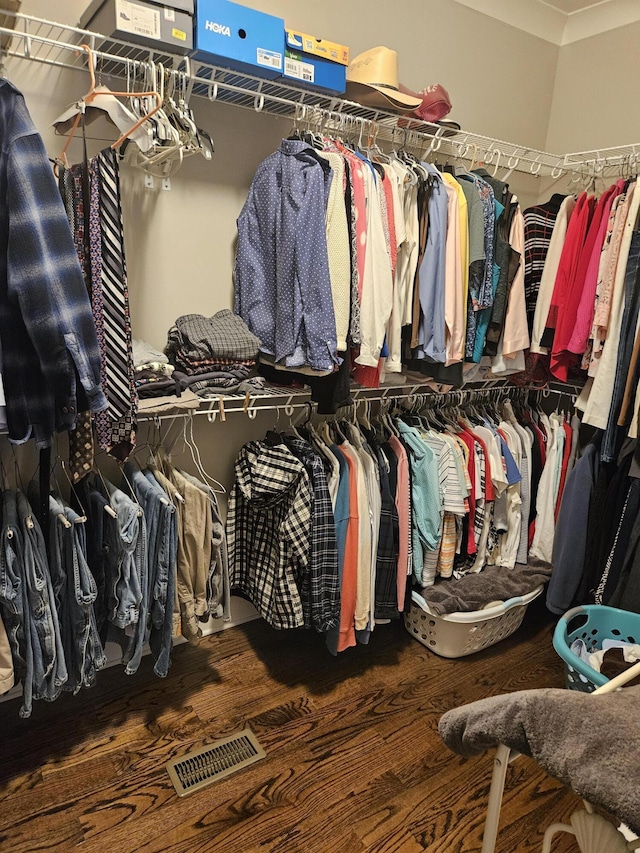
(180, 243)
(595, 98)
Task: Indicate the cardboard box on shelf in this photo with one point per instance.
(315, 63)
(236, 37)
(162, 26)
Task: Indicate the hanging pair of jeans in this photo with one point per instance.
(71, 575)
(49, 664)
(156, 609)
(126, 573)
(13, 600)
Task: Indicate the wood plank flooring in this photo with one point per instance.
(354, 761)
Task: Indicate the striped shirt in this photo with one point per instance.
(538, 228)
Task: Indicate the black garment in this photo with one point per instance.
(539, 222)
(386, 591)
(329, 392)
(626, 596)
(536, 471)
(605, 511)
(613, 566)
(508, 260)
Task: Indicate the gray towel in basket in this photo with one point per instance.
(475, 591)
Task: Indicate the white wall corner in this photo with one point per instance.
(536, 18)
(605, 16)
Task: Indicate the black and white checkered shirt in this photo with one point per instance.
(269, 531)
(321, 595)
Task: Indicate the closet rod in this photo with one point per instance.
(231, 404)
(57, 44)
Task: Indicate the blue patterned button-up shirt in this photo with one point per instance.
(283, 289)
(47, 334)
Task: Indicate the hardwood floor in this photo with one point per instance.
(354, 761)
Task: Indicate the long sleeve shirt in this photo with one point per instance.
(283, 284)
(46, 326)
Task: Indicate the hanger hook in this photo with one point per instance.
(288, 408)
(213, 90)
(258, 102)
(498, 154)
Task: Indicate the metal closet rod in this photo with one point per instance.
(222, 406)
(57, 44)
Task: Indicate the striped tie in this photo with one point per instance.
(114, 427)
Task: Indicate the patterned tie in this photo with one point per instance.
(115, 427)
(81, 457)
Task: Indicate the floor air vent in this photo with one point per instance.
(214, 761)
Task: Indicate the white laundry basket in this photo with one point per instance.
(458, 634)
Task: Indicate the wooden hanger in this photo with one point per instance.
(92, 94)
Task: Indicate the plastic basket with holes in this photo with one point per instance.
(593, 623)
(458, 634)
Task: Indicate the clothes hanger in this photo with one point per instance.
(94, 93)
(192, 445)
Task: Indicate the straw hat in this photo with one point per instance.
(372, 80)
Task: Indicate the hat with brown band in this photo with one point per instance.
(372, 80)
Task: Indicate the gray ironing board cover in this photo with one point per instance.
(590, 743)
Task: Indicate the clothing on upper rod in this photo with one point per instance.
(435, 265)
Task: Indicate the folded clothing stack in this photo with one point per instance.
(153, 373)
(211, 352)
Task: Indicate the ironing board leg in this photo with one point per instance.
(553, 830)
(500, 763)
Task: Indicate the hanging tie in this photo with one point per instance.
(114, 427)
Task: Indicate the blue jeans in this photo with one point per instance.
(163, 550)
(67, 559)
(13, 600)
(49, 665)
(122, 536)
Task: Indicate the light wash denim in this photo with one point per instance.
(50, 669)
(96, 557)
(123, 539)
(67, 559)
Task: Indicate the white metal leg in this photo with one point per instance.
(553, 830)
(500, 763)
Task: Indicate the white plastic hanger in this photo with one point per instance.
(107, 104)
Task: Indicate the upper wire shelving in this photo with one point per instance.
(32, 38)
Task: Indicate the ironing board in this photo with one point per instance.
(590, 742)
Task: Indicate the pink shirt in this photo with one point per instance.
(584, 317)
(404, 521)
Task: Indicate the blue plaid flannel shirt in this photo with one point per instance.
(47, 334)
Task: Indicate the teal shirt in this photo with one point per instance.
(425, 496)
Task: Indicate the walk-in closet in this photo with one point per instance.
(319, 407)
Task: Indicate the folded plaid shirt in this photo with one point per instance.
(269, 531)
(47, 332)
(225, 335)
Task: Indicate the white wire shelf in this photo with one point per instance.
(218, 406)
(27, 37)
